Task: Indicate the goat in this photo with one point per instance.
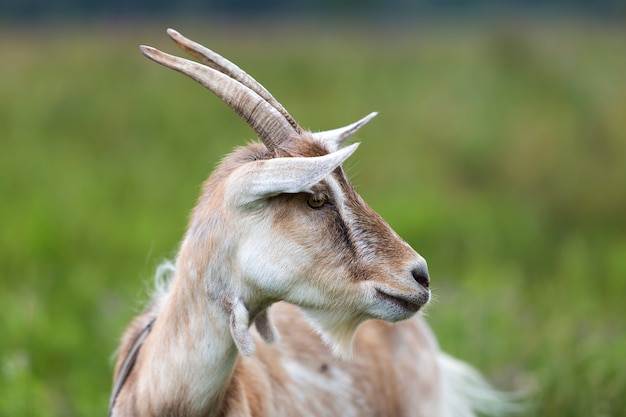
(280, 239)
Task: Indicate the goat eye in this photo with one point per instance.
(316, 200)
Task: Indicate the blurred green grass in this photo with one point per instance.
(499, 154)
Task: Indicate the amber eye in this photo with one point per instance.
(316, 200)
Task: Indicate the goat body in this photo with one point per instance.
(280, 243)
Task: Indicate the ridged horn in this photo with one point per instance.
(218, 62)
(268, 123)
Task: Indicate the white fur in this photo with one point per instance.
(466, 392)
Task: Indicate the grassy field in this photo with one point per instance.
(499, 154)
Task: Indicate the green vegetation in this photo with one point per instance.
(500, 155)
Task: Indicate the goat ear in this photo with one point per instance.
(262, 179)
(334, 138)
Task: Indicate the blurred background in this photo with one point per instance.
(499, 153)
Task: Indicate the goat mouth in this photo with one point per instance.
(402, 302)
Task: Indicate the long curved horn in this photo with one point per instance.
(267, 122)
(218, 62)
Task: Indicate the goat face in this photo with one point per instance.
(320, 246)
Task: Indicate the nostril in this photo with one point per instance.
(421, 276)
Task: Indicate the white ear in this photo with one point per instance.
(334, 138)
(262, 179)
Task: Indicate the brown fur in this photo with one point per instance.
(384, 374)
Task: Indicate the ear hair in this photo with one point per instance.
(265, 327)
(266, 178)
(239, 328)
